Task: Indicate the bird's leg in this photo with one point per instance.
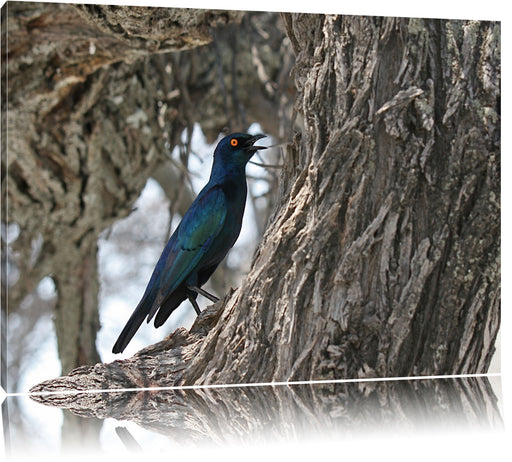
(203, 292)
(192, 300)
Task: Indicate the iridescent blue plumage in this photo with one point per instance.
(207, 231)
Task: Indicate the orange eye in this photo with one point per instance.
(234, 142)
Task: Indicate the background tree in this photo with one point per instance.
(97, 99)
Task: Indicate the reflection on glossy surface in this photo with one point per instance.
(260, 414)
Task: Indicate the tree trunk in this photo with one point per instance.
(76, 328)
(382, 257)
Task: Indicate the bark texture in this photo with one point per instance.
(382, 257)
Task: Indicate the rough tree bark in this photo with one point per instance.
(382, 257)
(94, 104)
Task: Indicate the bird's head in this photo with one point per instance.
(237, 148)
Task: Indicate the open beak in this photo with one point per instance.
(249, 144)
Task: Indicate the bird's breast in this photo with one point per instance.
(236, 195)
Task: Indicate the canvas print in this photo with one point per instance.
(298, 204)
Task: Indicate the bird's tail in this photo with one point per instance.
(130, 328)
(172, 302)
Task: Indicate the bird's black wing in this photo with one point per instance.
(194, 236)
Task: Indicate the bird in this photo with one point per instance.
(206, 233)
